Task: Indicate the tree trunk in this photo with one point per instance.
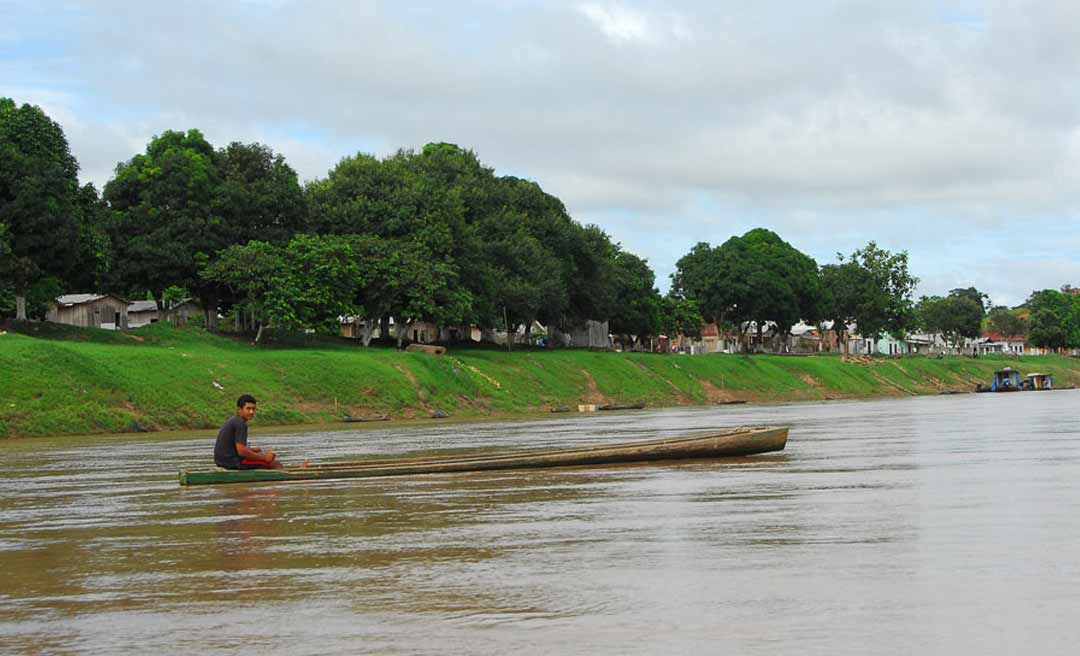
(258, 335)
(402, 328)
(211, 311)
(20, 308)
(368, 331)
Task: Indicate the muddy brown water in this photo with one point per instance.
(937, 525)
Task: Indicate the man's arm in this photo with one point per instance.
(253, 453)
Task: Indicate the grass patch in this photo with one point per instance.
(65, 380)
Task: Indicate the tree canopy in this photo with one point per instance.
(955, 317)
(751, 280)
(39, 206)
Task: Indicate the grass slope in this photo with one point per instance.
(61, 380)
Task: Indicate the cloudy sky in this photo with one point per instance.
(947, 129)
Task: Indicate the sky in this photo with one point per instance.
(950, 130)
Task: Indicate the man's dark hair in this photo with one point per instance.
(247, 398)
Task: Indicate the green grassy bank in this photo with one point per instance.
(58, 380)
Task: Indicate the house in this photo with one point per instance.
(997, 344)
(141, 313)
(420, 332)
(591, 334)
(89, 311)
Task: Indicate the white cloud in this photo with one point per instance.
(622, 24)
(833, 123)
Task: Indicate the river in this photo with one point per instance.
(932, 525)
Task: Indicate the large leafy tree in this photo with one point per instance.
(680, 316)
(955, 317)
(871, 288)
(38, 200)
(844, 288)
(166, 221)
(499, 248)
(1004, 321)
(316, 286)
(411, 209)
(259, 195)
(181, 202)
(638, 305)
(751, 280)
(1054, 320)
(249, 271)
(697, 277)
(95, 247)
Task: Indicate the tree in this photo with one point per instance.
(1053, 323)
(259, 195)
(95, 248)
(166, 222)
(974, 295)
(250, 271)
(317, 285)
(1004, 321)
(637, 302)
(412, 208)
(873, 289)
(680, 316)
(181, 202)
(695, 278)
(955, 317)
(38, 190)
(750, 281)
(844, 286)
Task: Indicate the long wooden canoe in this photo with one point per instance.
(714, 444)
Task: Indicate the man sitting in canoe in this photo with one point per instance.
(232, 451)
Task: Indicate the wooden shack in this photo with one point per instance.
(141, 313)
(90, 311)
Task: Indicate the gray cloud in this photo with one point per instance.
(913, 124)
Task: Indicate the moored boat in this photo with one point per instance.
(1005, 380)
(730, 442)
(1036, 382)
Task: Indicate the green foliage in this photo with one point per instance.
(448, 241)
(955, 317)
(638, 305)
(316, 285)
(179, 204)
(680, 316)
(165, 214)
(38, 198)
(753, 279)
(1007, 322)
(873, 289)
(248, 272)
(259, 195)
(1054, 320)
(95, 247)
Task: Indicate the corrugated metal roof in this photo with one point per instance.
(76, 299)
(142, 306)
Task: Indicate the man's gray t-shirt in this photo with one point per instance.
(234, 430)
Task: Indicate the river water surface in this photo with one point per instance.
(935, 525)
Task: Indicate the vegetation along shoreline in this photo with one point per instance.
(71, 381)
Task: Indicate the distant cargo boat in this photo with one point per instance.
(729, 442)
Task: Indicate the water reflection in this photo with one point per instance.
(923, 525)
